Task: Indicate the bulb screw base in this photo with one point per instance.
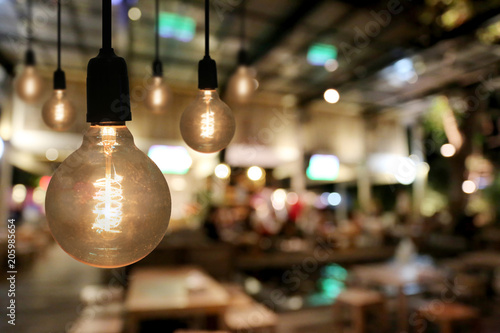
(59, 80)
(29, 58)
(108, 96)
(207, 74)
(157, 68)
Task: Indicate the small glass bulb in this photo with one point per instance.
(108, 205)
(58, 112)
(243, 84)
(159, 97)
(207, 125)
(29, 85)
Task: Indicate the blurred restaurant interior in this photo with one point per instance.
(334, 170)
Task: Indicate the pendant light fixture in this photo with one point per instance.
(159, 96)
(29, 85)
(58, 113)
(108, 205)
(242, 84)
(207, 125)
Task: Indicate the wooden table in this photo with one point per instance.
(156, 293)
(490, 259)
(399, 276)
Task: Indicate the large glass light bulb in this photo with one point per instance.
(58, 112)
(207, 125)
(29, 85)
(108, 205)
(243, 84)
(158, 98)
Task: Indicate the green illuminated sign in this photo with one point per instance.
(319, 54)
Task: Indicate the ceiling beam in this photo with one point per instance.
(467, 28)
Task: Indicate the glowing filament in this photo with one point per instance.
(109, 189)
(207, 124)
(157, 96)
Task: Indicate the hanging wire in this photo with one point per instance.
(242, 26)
(29, 26)
(157, 30)
(58, 34)
(106, 24)
(207, 27)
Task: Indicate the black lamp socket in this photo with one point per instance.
(29, 58)
(108, 96)
(207, 74)
(157, 68)
(59, 80)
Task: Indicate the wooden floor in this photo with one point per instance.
(47, 293)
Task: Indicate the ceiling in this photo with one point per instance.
(371, 36)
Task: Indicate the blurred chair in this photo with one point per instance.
(100, 294)
(250, 318)
(98, 325)
(471, 285)
(102, 312)
(496, 282)
(447, 316)
(365, 308)
(216, 259)
(186, 331)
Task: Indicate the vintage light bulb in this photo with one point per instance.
(29, 85)
(58, 113)
(207, 125)
(108, 205)
(243, 84)
(158, 98)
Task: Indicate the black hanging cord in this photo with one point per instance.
(207, 69)
(29, 26)
(157, 65)
(108, 94)
(29, 59)
(207, 27)
(106, 24)
(59, 34)
(59, 76)
(157, 30)
(242, 26)
(242, 54)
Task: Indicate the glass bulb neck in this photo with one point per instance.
(207, 74)
(108, 96)
(59, 80)
(108, 123)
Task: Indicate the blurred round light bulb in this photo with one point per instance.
(255, 173)
(159, 97)
(334, 199)
(222, 171)
(134, 13)
(29, 85)
(19, 193)
(243, 84)
(469, 187)
(331, 96)
(331, 65)
(108, 205)
(58, 113)
(207, 125)
(52, 154)
(448, 150)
